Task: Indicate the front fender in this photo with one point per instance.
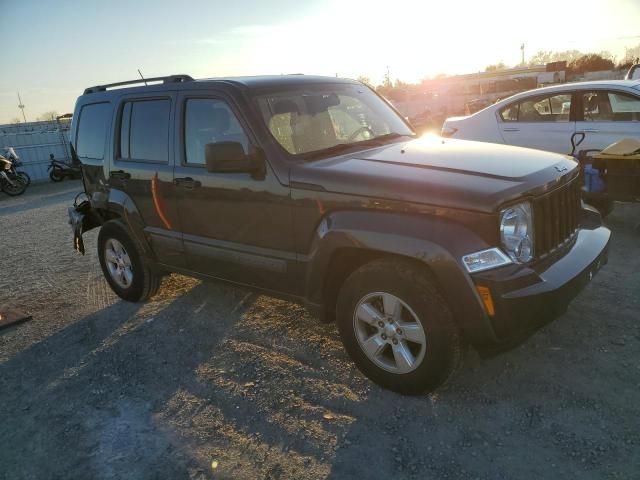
(437, 242)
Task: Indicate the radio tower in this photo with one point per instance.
(21, 107)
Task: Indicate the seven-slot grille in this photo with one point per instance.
(556, 216)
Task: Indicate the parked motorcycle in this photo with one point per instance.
(60, 170)
(11, 183)
(11, 155)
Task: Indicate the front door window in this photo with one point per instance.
(208, 121)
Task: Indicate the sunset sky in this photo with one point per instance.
(52, 50)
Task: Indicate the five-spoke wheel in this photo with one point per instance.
(118, 263)
(129, 275)
(389, 332)
(397, 327)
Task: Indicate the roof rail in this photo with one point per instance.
(167, 79)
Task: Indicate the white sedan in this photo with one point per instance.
(546, 118)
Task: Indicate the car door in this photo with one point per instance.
(236, 226)
(544, 122)
(142, 168)
(607, 116)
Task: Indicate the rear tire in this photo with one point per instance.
(56, 175)
(26, 178)
(128, 275)
(412, 348)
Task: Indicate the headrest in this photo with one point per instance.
(220, 119)
(285, 106)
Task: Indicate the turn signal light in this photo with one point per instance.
(487, 300)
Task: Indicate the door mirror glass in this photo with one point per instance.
(228, 157)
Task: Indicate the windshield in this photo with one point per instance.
(321, 117)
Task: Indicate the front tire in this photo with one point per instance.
(397, 328)
(18, 188)
(124, 268)
(603, 205)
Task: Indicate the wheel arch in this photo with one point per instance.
(344, 241)
(120, 207)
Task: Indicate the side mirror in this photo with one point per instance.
(229, 157)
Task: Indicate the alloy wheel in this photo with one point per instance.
(118, 263)
(389, 332)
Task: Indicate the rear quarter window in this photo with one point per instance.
(92, 130)
(509, 113)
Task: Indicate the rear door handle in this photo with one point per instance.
(511, 129)
(590, 130)
(120, 174)
(187, 182)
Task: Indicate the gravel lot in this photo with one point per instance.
(210, 381)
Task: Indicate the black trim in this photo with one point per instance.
(259, 257)
(307, 186)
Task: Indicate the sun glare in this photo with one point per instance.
(416, 39)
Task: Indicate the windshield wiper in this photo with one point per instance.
(340, 147)
(387, 136)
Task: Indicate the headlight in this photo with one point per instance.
(516, 232)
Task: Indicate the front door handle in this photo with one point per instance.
(120, 174)
(186, 182)
(511, 129)
(590, 130)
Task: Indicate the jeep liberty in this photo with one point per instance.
(316, 190)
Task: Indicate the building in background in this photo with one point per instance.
(34, 142)
(465, 94)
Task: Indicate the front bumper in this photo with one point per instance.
(527, 297)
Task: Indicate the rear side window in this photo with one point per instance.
(144, 130)
(92, 130)
(510, 113)
(601, 106)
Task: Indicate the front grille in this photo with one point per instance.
(556, 216)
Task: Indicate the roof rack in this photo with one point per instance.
(167, 79)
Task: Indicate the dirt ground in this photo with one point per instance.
(210, 381)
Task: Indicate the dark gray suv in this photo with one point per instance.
(316, 190)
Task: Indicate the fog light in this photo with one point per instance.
(485, 259)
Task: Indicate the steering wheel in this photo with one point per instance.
(360, 130)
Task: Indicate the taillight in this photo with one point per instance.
(447, 131)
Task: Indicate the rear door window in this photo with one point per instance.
(554, 108)
(92, 130)
(144, 130)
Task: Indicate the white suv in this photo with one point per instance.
(546, 118)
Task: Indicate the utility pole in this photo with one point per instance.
(522, 48)
(21, 107)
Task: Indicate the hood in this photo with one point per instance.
(440, 172)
